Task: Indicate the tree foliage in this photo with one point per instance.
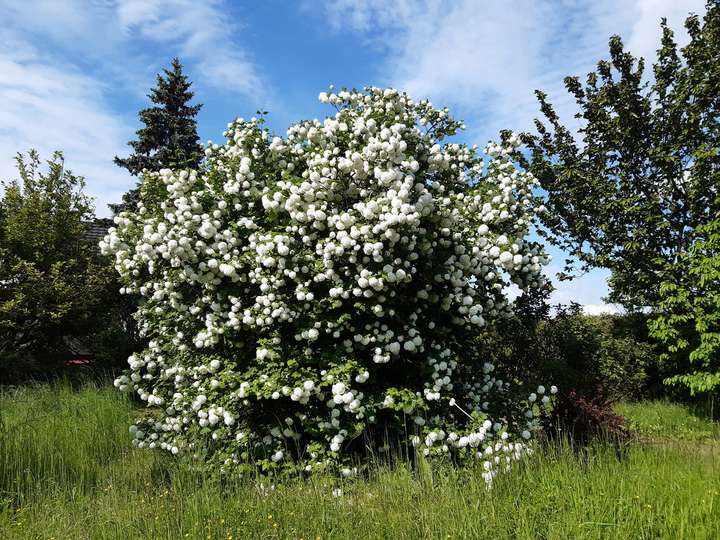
(633, 192)
(602, 358)
(54, 286)
(689, 316)
(169, 136)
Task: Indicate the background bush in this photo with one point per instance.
(58, 295)
(602, 357)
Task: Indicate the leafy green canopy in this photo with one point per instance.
(689, 320)
(631, 194)
(54, 286)
(170, 133)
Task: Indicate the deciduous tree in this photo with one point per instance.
(631, 189)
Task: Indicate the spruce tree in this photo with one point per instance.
(170, 133)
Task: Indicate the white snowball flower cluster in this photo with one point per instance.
(309, 296)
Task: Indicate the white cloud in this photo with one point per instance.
(63, 63)
(486, 58)
(201, 31)
(645, 34)
(601, 309)
(205, 35)
(78, 25)
(48, 108)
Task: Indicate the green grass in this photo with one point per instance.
(67, 471)
(665, 420)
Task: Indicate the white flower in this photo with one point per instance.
(332, 272)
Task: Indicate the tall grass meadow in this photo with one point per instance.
(68, 470)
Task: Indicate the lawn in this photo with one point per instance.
(663, 420)
(67, 470)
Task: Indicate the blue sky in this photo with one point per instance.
(74, 73)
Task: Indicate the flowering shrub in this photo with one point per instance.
(310, 297)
